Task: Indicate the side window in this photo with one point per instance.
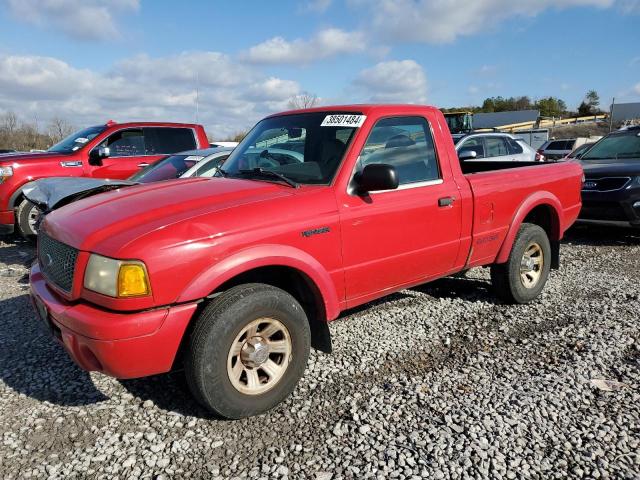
(556, 146)
(496, 147)
(125, 143)
(569, 144)
(475, 145)
(209, 168)
(165, 140)
(407, 144)
(514, 147)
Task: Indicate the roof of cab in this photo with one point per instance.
(364, 108)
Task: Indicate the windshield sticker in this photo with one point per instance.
(355, 121)
(193, 157)
(81, 140)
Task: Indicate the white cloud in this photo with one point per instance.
(637, 88)
(83, 19)
(326, 43)
(442, 21)
(231, 97)
(395, 81)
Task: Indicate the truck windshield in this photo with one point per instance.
(615, 146)
(305, 148)
(169, 167)
(77, 140)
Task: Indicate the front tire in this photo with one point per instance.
(247, 351)
(28, 216)
(525, 274)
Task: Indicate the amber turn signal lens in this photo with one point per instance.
(132, 281)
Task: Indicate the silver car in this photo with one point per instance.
(494, 146)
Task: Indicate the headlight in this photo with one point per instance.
(116, 278)
(5, 172)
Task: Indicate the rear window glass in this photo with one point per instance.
(558, 145)
(161, 140)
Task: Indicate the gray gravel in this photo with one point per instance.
(440, 381)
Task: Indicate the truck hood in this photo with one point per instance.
(10, 158)
(613, 168)
(107, 222)
(54, 192)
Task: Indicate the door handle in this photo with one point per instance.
(143, 164)
(446, 201)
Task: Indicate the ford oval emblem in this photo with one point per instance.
(589, 186)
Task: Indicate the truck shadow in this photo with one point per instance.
(595, 235)
(460, 287)
(33, 364)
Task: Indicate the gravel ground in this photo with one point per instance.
(438, 381)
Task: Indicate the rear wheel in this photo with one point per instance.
(525, 274)
(28, 215)
(247, 350)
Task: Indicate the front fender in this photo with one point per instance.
(265, 256)
(538, 198)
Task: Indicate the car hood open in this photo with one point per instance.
(52, 193)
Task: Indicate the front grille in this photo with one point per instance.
(606, 184)
(57, 261)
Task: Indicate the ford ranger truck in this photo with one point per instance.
(234, 278)
(113, 150)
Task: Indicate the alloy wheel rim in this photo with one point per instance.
(531, 265)
(259, 356)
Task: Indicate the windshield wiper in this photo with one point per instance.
(263, 172)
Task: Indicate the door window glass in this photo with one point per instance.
(496, 147)
(125, 143)
(473, 145)
(407, 144)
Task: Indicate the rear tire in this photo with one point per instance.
(28, 216)
(525, 274)
(247, 351)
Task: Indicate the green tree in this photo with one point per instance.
(593, 100)
(551, 107)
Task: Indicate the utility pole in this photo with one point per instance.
(613, 102)
(197, 95)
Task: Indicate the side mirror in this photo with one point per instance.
(97, 154)
(376, 177)
(467, 154)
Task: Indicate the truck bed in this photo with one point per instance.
(502, 189)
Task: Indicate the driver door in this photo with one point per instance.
(127, 155)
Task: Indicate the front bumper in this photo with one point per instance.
(122, 345)
(619, 206)
(7, 222)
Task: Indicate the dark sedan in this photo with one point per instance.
(611, 191)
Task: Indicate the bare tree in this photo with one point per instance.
(59, 129)
(303, 100)
(9, 123)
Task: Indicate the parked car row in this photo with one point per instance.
(233, 278)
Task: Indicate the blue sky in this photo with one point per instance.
(89, 60)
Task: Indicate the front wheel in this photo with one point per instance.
(247, 351)
(28, 215)
(523, 277)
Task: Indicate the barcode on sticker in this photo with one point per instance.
(343, 121)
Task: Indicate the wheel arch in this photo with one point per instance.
(542, 209)
(287, 268)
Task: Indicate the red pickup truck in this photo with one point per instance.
(113, 150)
(234, 278)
